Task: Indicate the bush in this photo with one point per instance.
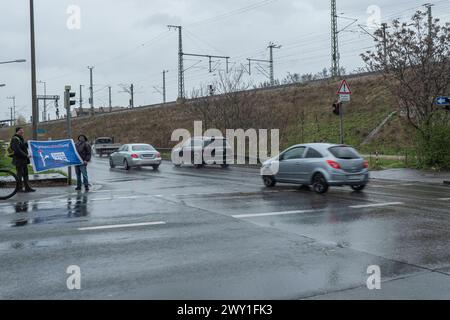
(435, 151)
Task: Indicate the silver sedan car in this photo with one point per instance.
(320, 165)
(135, 155)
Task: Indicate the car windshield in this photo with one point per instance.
(142, 148)
(103, 141)
(342, 152)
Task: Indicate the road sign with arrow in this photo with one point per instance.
(442, 101)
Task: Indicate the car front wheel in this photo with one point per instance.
(269, 181)
(111, 163)
(358, 188)
(320, 184)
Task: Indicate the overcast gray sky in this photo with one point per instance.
(127, 41)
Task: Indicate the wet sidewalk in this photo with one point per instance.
(412, 175)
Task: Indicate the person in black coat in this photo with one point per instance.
(84, 150)
(21, 159)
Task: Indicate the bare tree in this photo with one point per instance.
(235, 100)
(204, 106)
(414, 61)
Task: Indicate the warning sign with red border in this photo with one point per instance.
(344, 88)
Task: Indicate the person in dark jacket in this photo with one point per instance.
(84, 150)
(21, 159)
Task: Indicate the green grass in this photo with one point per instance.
(384, 164)
(166, 155)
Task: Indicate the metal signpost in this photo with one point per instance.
(344, 93)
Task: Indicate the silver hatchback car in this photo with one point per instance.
(320, 165)
(135, 155)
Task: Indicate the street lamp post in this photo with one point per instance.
(33, 74)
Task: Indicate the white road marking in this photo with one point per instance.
(377, 205)
(101, 199)
(132, 197)
(123, 226)
(444, 199)
(104, 191)
(281, 213)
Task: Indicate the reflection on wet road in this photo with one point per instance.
(212, 233)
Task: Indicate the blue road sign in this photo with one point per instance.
(442, 101)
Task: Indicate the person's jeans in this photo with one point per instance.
(82, 171)
(22, 174)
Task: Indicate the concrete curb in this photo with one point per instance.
(53, 180)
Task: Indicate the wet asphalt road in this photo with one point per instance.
(186, 233)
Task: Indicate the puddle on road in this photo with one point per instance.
(26, 213)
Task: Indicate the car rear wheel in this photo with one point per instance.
(156, 167)
(269, 181)
(111, 163)
(359, 187)
(320, 184)
(126, 165)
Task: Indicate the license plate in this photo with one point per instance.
(359, 177)
(148, 156)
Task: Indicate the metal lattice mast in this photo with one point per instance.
(180, 61)
(271, 47)
(91, 89)
(334, 41)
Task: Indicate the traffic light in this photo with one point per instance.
(72, 95)
(337, 108)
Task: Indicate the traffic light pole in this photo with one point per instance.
(341, 120)
(69, 127)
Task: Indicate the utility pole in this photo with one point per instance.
(44, 112)
(384, 26)
(181, 93)
(81, 98)
(13, 110)
(335, 70)
(110, 101)
(271, 47)
(430, 18)
(270, 62)
(11, 122)
(132, 96)
(91, 89)
(34, 106)
(164, 85)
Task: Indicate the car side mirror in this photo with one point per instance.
(281, 157)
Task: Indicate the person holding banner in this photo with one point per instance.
(84, 150)
(21, 159)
